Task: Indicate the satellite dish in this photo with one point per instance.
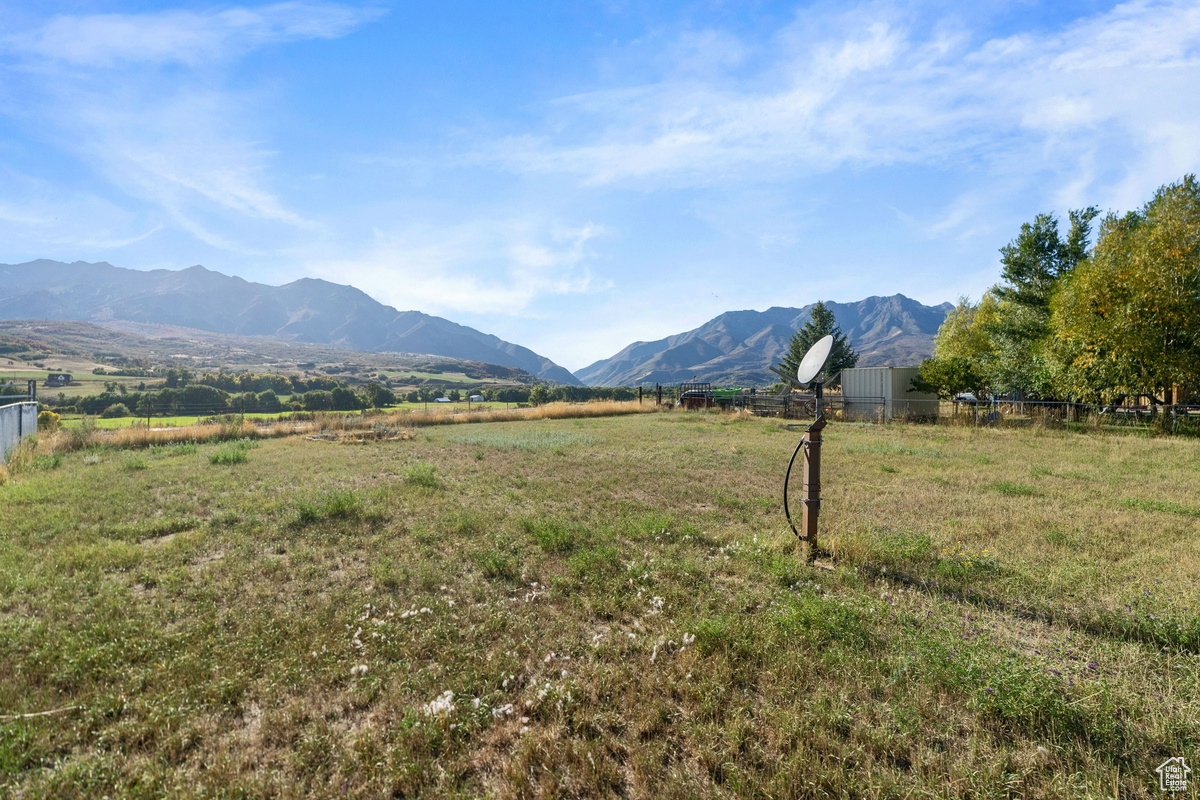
(814, 360)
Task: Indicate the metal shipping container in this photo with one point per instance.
(883, 393)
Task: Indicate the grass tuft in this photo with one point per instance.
(228, 455)
(423, 475)
(1013, 489)
(331, 504)
(1163, 506)
(551, 535)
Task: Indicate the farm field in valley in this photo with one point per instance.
(596, 607)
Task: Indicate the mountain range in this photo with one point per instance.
(734, 348)
(737, 347)
(306, 310)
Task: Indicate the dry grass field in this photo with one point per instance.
(600, 607)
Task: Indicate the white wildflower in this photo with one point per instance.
(442, 705)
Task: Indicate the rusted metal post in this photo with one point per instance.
(811, 497)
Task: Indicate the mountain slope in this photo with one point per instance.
(737, 347)
(306, 310)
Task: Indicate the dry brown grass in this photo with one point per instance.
(618, 607)
(347, 427)
(606, 408)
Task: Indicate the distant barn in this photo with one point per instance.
(58, 379)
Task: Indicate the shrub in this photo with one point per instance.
(115, 410)
(424, 475)
(48, 421)
(231, 454)
(334, 504)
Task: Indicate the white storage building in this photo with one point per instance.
(884, 393)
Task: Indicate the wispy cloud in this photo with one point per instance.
(185, 37)
(495, 267)
(869, 89)
(141, 101)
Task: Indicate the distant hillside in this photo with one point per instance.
(737, 347)
(119, 345)
(307, 310)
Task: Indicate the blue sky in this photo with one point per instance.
(573, 176)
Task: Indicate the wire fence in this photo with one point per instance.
(1177, 418)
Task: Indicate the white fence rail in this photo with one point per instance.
(17, 421)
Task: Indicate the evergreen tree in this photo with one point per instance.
(821, 323)
(1033, 265)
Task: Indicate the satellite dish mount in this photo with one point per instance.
(810, 372)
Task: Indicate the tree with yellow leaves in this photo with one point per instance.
(1127, 320)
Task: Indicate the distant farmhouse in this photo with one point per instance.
(57, 379)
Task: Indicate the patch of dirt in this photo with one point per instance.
(364, 437)
(207, 558)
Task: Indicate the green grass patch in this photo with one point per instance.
(1013, 489)
(178, 449)
(424, 476)
(227, 455)
(46, 462)
(329, 504)
(551, 535)
(1161, 506)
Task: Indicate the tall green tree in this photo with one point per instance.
(821, 323)
(1129, 319)
(1022, 358)
(964, 353)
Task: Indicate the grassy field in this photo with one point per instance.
(114, 423)
(602, 607)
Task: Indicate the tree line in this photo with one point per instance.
(1074, 321)
(200, 398)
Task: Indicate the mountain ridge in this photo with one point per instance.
(309, 310)
(737, 347)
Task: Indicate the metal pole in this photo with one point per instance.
(811, 497)
(812, 476)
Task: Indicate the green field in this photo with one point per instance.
(602, 607)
